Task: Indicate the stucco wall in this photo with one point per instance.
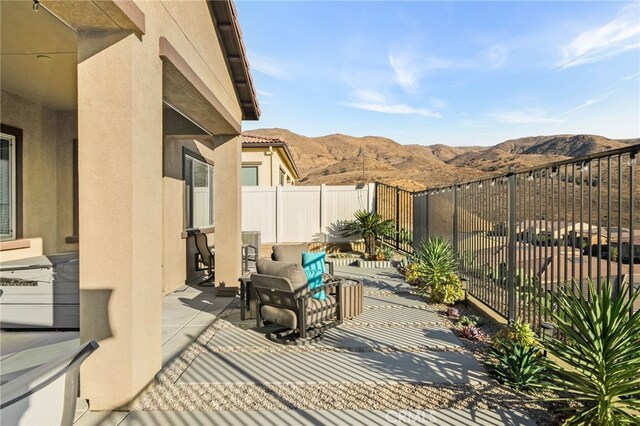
(188, 26)
(47, 159)
(268, 165)
(178, 252)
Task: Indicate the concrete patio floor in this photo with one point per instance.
(382, 367)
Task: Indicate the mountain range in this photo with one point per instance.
(340, 159)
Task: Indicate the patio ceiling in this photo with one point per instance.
(39, 56)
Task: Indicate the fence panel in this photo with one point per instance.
(299, 217)
(523, 236)
(259, 211)
(339, 204)
(302, 213)
(393, 203)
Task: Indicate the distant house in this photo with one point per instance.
(539, 231)
(267, 162)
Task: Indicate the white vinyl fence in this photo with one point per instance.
(302, 213)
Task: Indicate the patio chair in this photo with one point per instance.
(285, 300)
(46, 394)
(206, 257)
(292, 253)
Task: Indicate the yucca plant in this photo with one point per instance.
(599, 342)
(369, 226)
(437, 260)
(518, 365)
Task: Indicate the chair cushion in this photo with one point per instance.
(289, 253)
(313, 264)
(321, 310)
(279, 316)
(291, 271)
(317, 311)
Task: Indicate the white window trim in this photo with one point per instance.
(12, 187)
(211, 177)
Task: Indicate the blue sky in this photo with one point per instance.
(458, 73)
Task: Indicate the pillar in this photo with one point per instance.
(228, 212)
(120, 212)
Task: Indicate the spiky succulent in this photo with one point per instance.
(472, 333)
(517, 365)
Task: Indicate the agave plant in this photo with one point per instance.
(518, 365)
(369, 226)
(598, 345)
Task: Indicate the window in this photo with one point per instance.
(10, 184)
(283, 177)
(249, 175)
(73, 239)
(198, 177)
(7, 187)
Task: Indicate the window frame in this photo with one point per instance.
(188, 201)
(252, 166)
(15, 135)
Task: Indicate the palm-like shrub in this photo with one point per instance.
(437, 260)
(518, 365)
(369, 226)
(599, 343)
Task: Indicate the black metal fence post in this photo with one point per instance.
(455, 220)
(511, 246)
(397, 217)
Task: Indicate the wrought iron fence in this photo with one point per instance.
(396, 204)
(522, 236)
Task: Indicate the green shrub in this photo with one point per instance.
(519, 332)
(517, 365)
(599, 343)
(470, 320)
(447, 290)
(436, 260)
(414, 274)
(385, 253)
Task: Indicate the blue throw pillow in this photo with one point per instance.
(313, 264)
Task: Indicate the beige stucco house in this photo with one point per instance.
(267, 162)
(121, 125)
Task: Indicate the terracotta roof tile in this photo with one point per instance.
(260, 139)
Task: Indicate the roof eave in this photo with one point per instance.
(225, 18)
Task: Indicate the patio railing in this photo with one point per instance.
(521, 236)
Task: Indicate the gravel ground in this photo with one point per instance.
(166, 394)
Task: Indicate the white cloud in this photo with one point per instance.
(264, 93)
(391, 108)
(496, 55)
(371, 100)
(269, 66)
(407, 70)
(585, 104)
(523, 116)
(617, 36)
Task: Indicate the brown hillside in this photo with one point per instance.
(337, 159)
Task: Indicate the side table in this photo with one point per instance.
(351, 299)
